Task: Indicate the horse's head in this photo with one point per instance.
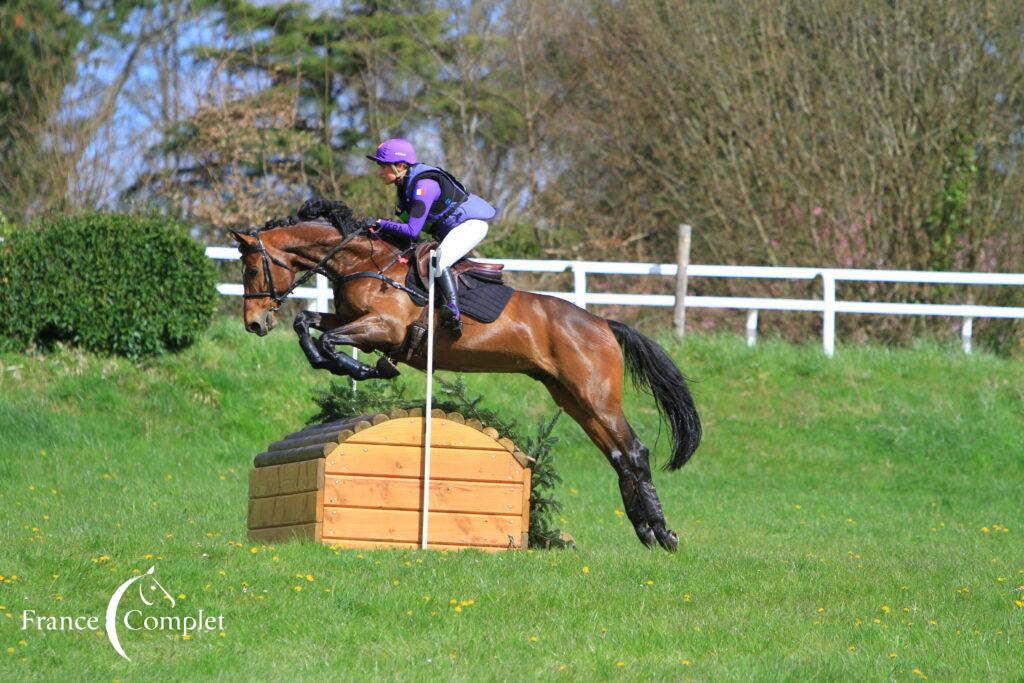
(265, 279)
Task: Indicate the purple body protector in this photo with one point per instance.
(425, 194)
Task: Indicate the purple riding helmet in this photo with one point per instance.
(393, 151)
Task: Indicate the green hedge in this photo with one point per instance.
(127, 285)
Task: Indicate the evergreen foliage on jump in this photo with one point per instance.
(117, 284)
(377, 396)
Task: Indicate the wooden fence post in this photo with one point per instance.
(682, 260)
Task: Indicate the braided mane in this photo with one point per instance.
(335, 212)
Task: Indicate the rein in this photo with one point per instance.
(319, 268)
(299, 281)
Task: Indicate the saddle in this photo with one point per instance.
(484, 271)
(482, 294)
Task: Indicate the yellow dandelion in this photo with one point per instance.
(649, 582)
(23, 643)
(984, 530)
(684, 662)
(892, 655)
(186, 637)
(396, 583)
(408, 612)
(297, 588)
(917, 672)
(877, 620)
(821, 610)
(458, 608)
(222, 634)
(562, 667)
(309, 577)
(534, 639)
(254, 550)
(275, 558)
(585, 570)
(467, 603)
(11, 650)
(620, 663)
(886, 609)
(851, 648)
(453, 601)
(328, 590)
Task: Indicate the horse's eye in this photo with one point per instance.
(250, 272)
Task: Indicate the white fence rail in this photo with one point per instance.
(828, 306)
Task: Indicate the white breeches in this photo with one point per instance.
(460, 241)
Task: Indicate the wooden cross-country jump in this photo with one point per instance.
(358, 483)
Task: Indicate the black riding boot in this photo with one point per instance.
(450, 312)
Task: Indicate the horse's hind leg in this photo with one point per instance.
(603, 421)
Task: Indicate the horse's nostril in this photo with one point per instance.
(254, 327)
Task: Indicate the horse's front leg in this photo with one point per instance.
(318, 321)
(366, 332)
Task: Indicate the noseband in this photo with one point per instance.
(271, 292)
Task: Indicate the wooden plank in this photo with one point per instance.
(294, 508)
(409, 432)
(407, 494)
(404, 526)
(294, 454)
(276, 480)
(287, 533)
(527, 480)
(377, 460)
(385, 545)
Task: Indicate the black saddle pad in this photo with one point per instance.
(480, 297)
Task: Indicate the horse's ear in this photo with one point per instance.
(242, 239)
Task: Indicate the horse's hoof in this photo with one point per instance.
(645, 534)
(669, 540)
(385, 369)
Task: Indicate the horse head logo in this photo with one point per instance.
(115, 601)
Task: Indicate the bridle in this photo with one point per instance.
(271, 292)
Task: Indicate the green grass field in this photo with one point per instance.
(859, 517)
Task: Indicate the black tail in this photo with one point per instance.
(653, 371)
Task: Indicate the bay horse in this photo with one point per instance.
(579, 357)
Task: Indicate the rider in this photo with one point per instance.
(432, 198)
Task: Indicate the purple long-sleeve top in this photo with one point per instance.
(426, 192)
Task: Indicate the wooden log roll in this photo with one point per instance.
(294, 454)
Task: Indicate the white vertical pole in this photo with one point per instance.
(751, 327)
(966, 332)
(579, 283)
(321, 304)
(430, 399)
(829, 323)
(682, 262)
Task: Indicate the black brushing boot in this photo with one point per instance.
(450, 312)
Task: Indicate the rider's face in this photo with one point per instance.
(390, 173)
